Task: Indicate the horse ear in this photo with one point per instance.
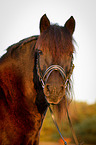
(70, 25)
(44, 23)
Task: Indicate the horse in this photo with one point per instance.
(34, 73)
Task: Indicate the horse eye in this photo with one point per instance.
(40, 52)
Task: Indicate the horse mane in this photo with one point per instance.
(19, 45)
(55, 37)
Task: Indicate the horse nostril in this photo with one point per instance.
(62, 88)
(47, 90)
(47, 87)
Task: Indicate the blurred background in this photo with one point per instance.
(20, 19)
(83, 117)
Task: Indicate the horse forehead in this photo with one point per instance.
(55, 55)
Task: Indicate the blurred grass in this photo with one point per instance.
(83, 118)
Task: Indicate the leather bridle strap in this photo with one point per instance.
(51, 69)
(72, 130)
(56, 125)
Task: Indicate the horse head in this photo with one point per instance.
(55, 58)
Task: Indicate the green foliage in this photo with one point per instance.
(83, 117)
(87, 130)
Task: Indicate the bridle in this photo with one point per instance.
(48, 72)
(43, 79)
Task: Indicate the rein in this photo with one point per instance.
(43, 79)
(54, 120)
(70, 124)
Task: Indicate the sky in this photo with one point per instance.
(20, 19)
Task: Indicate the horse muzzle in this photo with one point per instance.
(54, 93)
(54, 84)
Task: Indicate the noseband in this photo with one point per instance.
(52, 68)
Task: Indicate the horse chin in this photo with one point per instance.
(53, 100)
